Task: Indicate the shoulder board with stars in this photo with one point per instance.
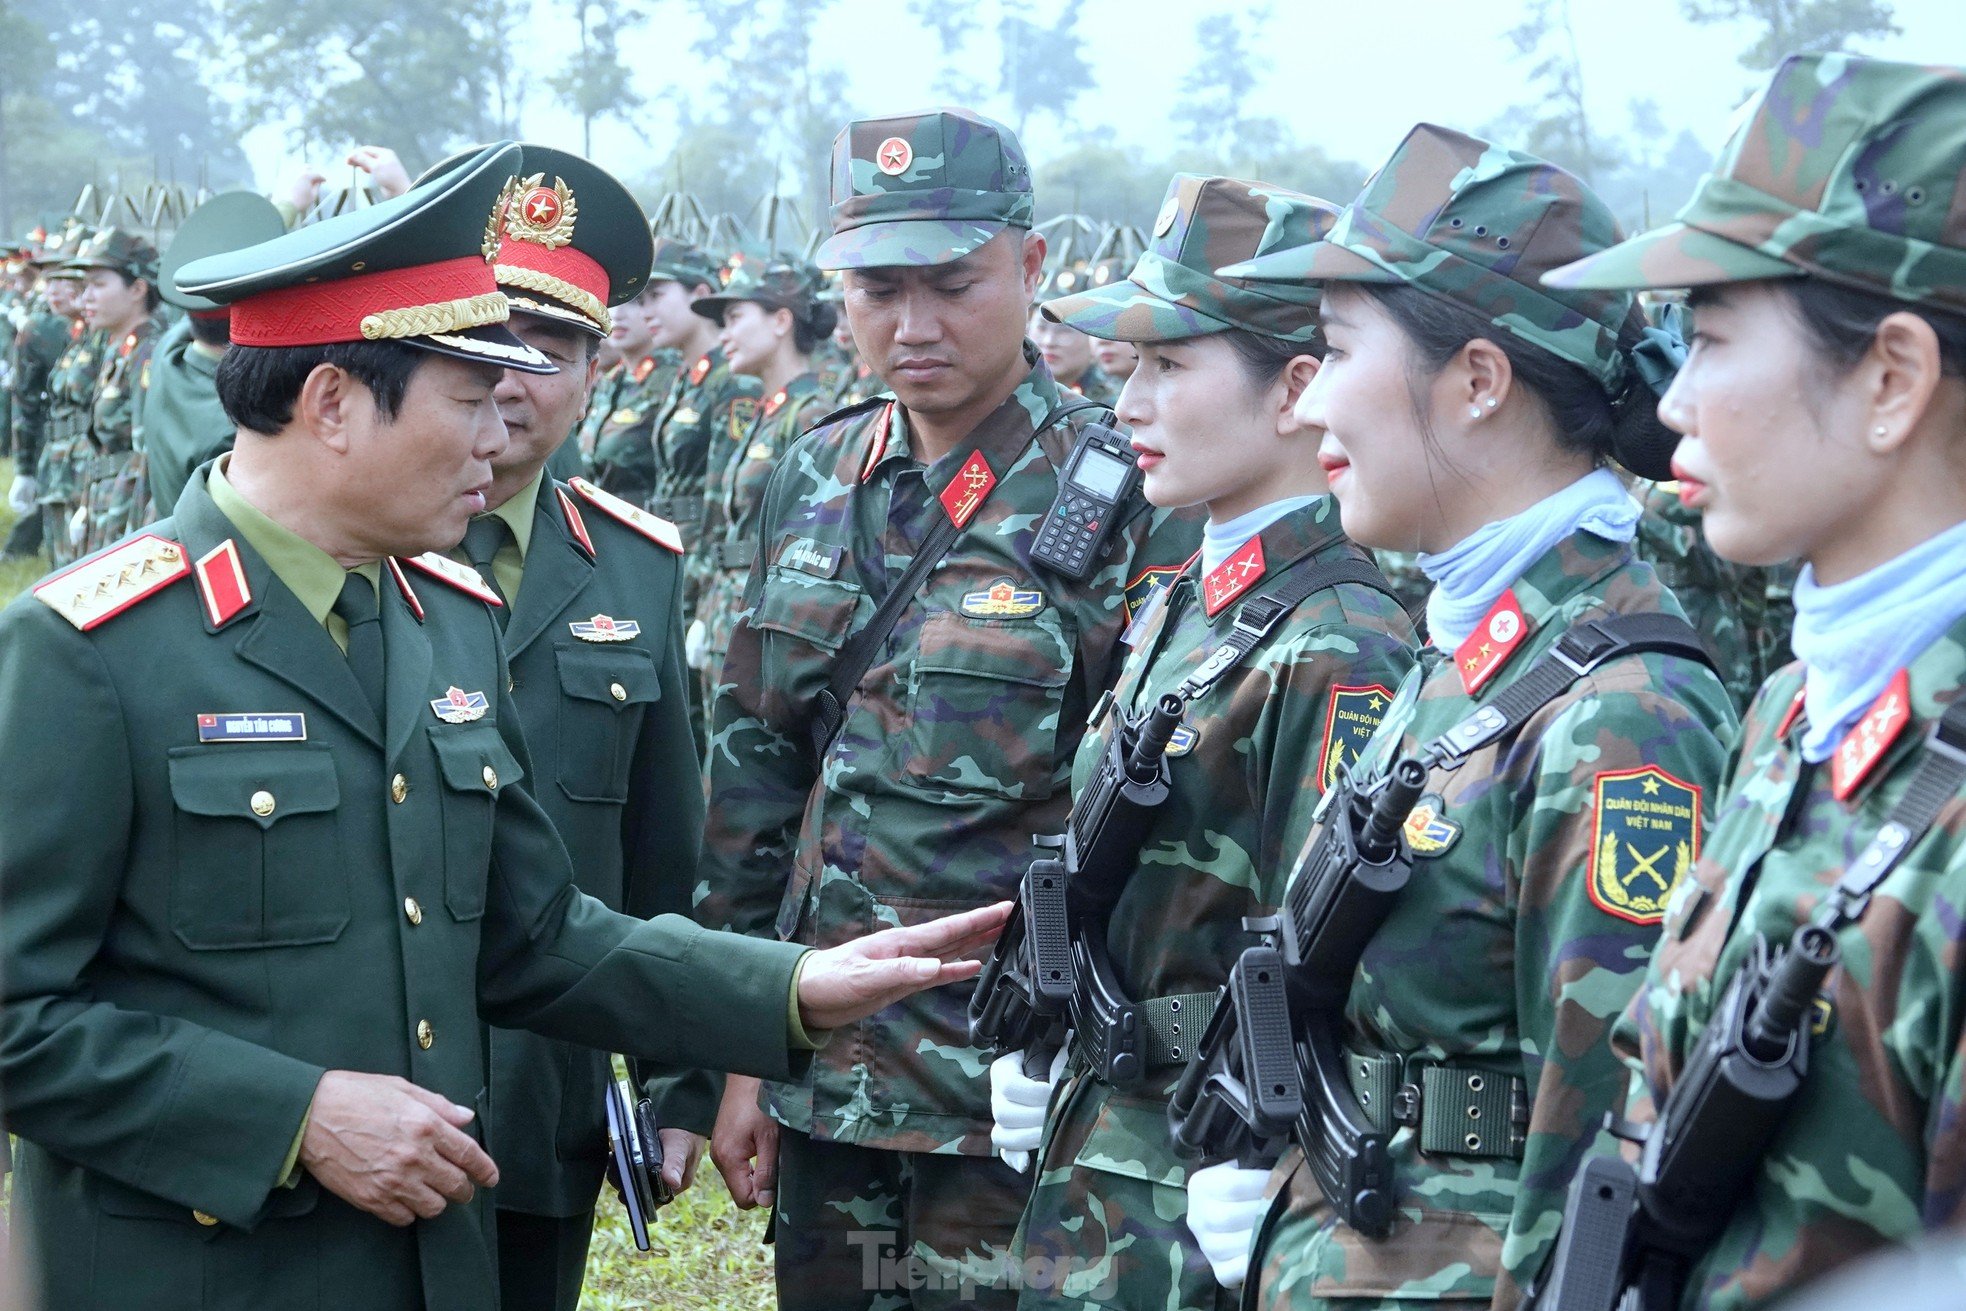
(654, 527)
(1491, 644)
(1871, 737)
(461, 576)
(96, 590)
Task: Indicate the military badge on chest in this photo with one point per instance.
(1351, 717)
(458, 706)
(605, 628)
(1428, 830)
(1003, 599)
(1644, 840)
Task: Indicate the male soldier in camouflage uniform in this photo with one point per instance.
(120, 300)
(58, 471)
(53, 317)
(1872, 1151)
(1541, 862)
(622, 453)
(955, 747)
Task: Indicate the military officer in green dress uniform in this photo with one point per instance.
(773, 322)
(593, 638)
(180, 423)
(273, 867)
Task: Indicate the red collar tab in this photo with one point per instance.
(967, 491)
(347, 309)
(645, 368)
(699, 371)
(222, 583)
(1793, 713)
(1494, 640)
(575, 524)
(777, 399)
(1865, 744)
(877, 443)
(403, 586)
(1233, 577)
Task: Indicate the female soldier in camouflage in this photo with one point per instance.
(773, 321)
(1222, 365)
(59, 467)
(1472, 414)
(1824, 415)
(119, 300)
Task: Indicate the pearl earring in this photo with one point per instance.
(1878, 431)
(1474, 411)
(1490, 402)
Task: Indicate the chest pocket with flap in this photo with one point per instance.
(475, 766)
(605, 694)
(258, 860)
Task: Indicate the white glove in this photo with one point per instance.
(696, 645)
(20, 497)
(1017, 1104)
(1225, 1204)
(78, 526)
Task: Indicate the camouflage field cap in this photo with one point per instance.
(1853, 170)
(679, 261)
(777, 283)
(1477, 225)
(923, 188)
(118, 249)
(1175, 290)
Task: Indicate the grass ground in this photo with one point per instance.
(707, 1255)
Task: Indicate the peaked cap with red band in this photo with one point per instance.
(416, 269)
(230, 221)
(574, 242)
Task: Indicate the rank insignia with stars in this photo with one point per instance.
(965, 493)
(458, 706)
(602, 628)
(1645, 837)
(1428, 830)
(1233, 577)
(1351, 717)
(1491, 644)
(1003, 600)
(893, 156)
(1870, 737)
(699, 371)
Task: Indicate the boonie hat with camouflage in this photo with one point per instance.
(416, 269)
(1852, 170)
(1476, 225)
(1175, 292)
(777, 283)
(118, 249)
(923, 188)
(679, 261)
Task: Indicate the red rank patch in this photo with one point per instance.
(1865, 744)
(1233, 577)
(575, 524)
(645, 368)
(893, 156)
(222, 583)
(1493, 641)
(777, 399)
(877, 446)
(966, 491)
(1794, 713)
(699, 372)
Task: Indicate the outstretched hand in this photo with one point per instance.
(853, 980)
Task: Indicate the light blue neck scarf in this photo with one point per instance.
(1219, 541)
(1853, 636)
(1470, 576)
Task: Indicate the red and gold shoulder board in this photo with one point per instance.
(96, 590)
(654, 527)
(461, 576)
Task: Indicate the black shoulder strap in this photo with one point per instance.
(1260, 615)
(1940, 776)
(857, 655)
(1581, 649)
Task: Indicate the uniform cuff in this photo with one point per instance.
(801, 1040)
(290, 1172)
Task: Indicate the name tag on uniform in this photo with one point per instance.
(603, 628)
(809, 557)
(253, 726)
(458, 706)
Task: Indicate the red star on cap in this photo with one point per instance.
(894, 155)
(542, 207)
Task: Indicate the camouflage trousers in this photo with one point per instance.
(1108, 1219)
(55, 518)
(1279, 1279)
(859, 1227)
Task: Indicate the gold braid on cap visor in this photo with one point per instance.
(585, 302)
(443, 316)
